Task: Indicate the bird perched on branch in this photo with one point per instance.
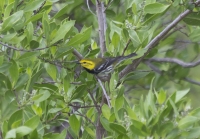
(103, 66)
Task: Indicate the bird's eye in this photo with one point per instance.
(84, 62)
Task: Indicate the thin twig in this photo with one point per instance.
(88, 119)
(126, 46)
(88, 5)
(191, 81)
(23, 50)
(157, 70)
(94, 101)
(104, 92)
(108, 5)
(53, 63)
(77, 54)
(83, 106)
(176, 61)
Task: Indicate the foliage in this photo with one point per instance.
(41, 87)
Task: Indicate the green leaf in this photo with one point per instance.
(79, 92)
(66, 83)
(16, 116)
(192, 19)
(161, 97)
(54, 110)
(27, 56)
(74, 124)
(9, 105)
(115, 39)
(11, 20)
(34, 44)
(33, 122)
(118, 128)
(45, 23)
(34, 5)
(11, 134)
(8, 10)
(51, 70)
(181, 94)
(29, 31)
(62, 31)
(135, 76)
(22, 131)
(37, 110)
(155, 8)
(106, 111)
(48, 86)
(14, 73)
(80, 38)
(5, 66)
(90, 132)
(34, 18)
(187, 121)
(134, 37)
(42, 96)
(105, 124)
(61, 12)
(33, 79)
(139, 128)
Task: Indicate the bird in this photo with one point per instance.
(103, 66)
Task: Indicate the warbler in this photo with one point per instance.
(102, 65)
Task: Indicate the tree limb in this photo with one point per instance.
(176, 61)
(102, 26)
(155, 41)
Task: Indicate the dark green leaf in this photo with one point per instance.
(118, 128)
(192, 19)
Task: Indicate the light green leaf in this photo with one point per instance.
(11, 20)
(33, 122)
(11, 134)
(106, 111)
(161, 96)
(51, 70)
(181, 94)
(42, 96)
(80, 38)
(54, 110)
(26, 56)
(155, 8)
(62, 31)
(187, 121)
(14, 73)
(34, 5)
(22, 131)
(74, 124)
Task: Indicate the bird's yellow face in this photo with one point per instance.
(88, 64)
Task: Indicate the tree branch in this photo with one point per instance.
(104, 92)
(23, 50)
(77, 54)
(102, 26)
(176, 61)
(155, 41)
(157, 70)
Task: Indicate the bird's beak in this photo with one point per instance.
(77, 62)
